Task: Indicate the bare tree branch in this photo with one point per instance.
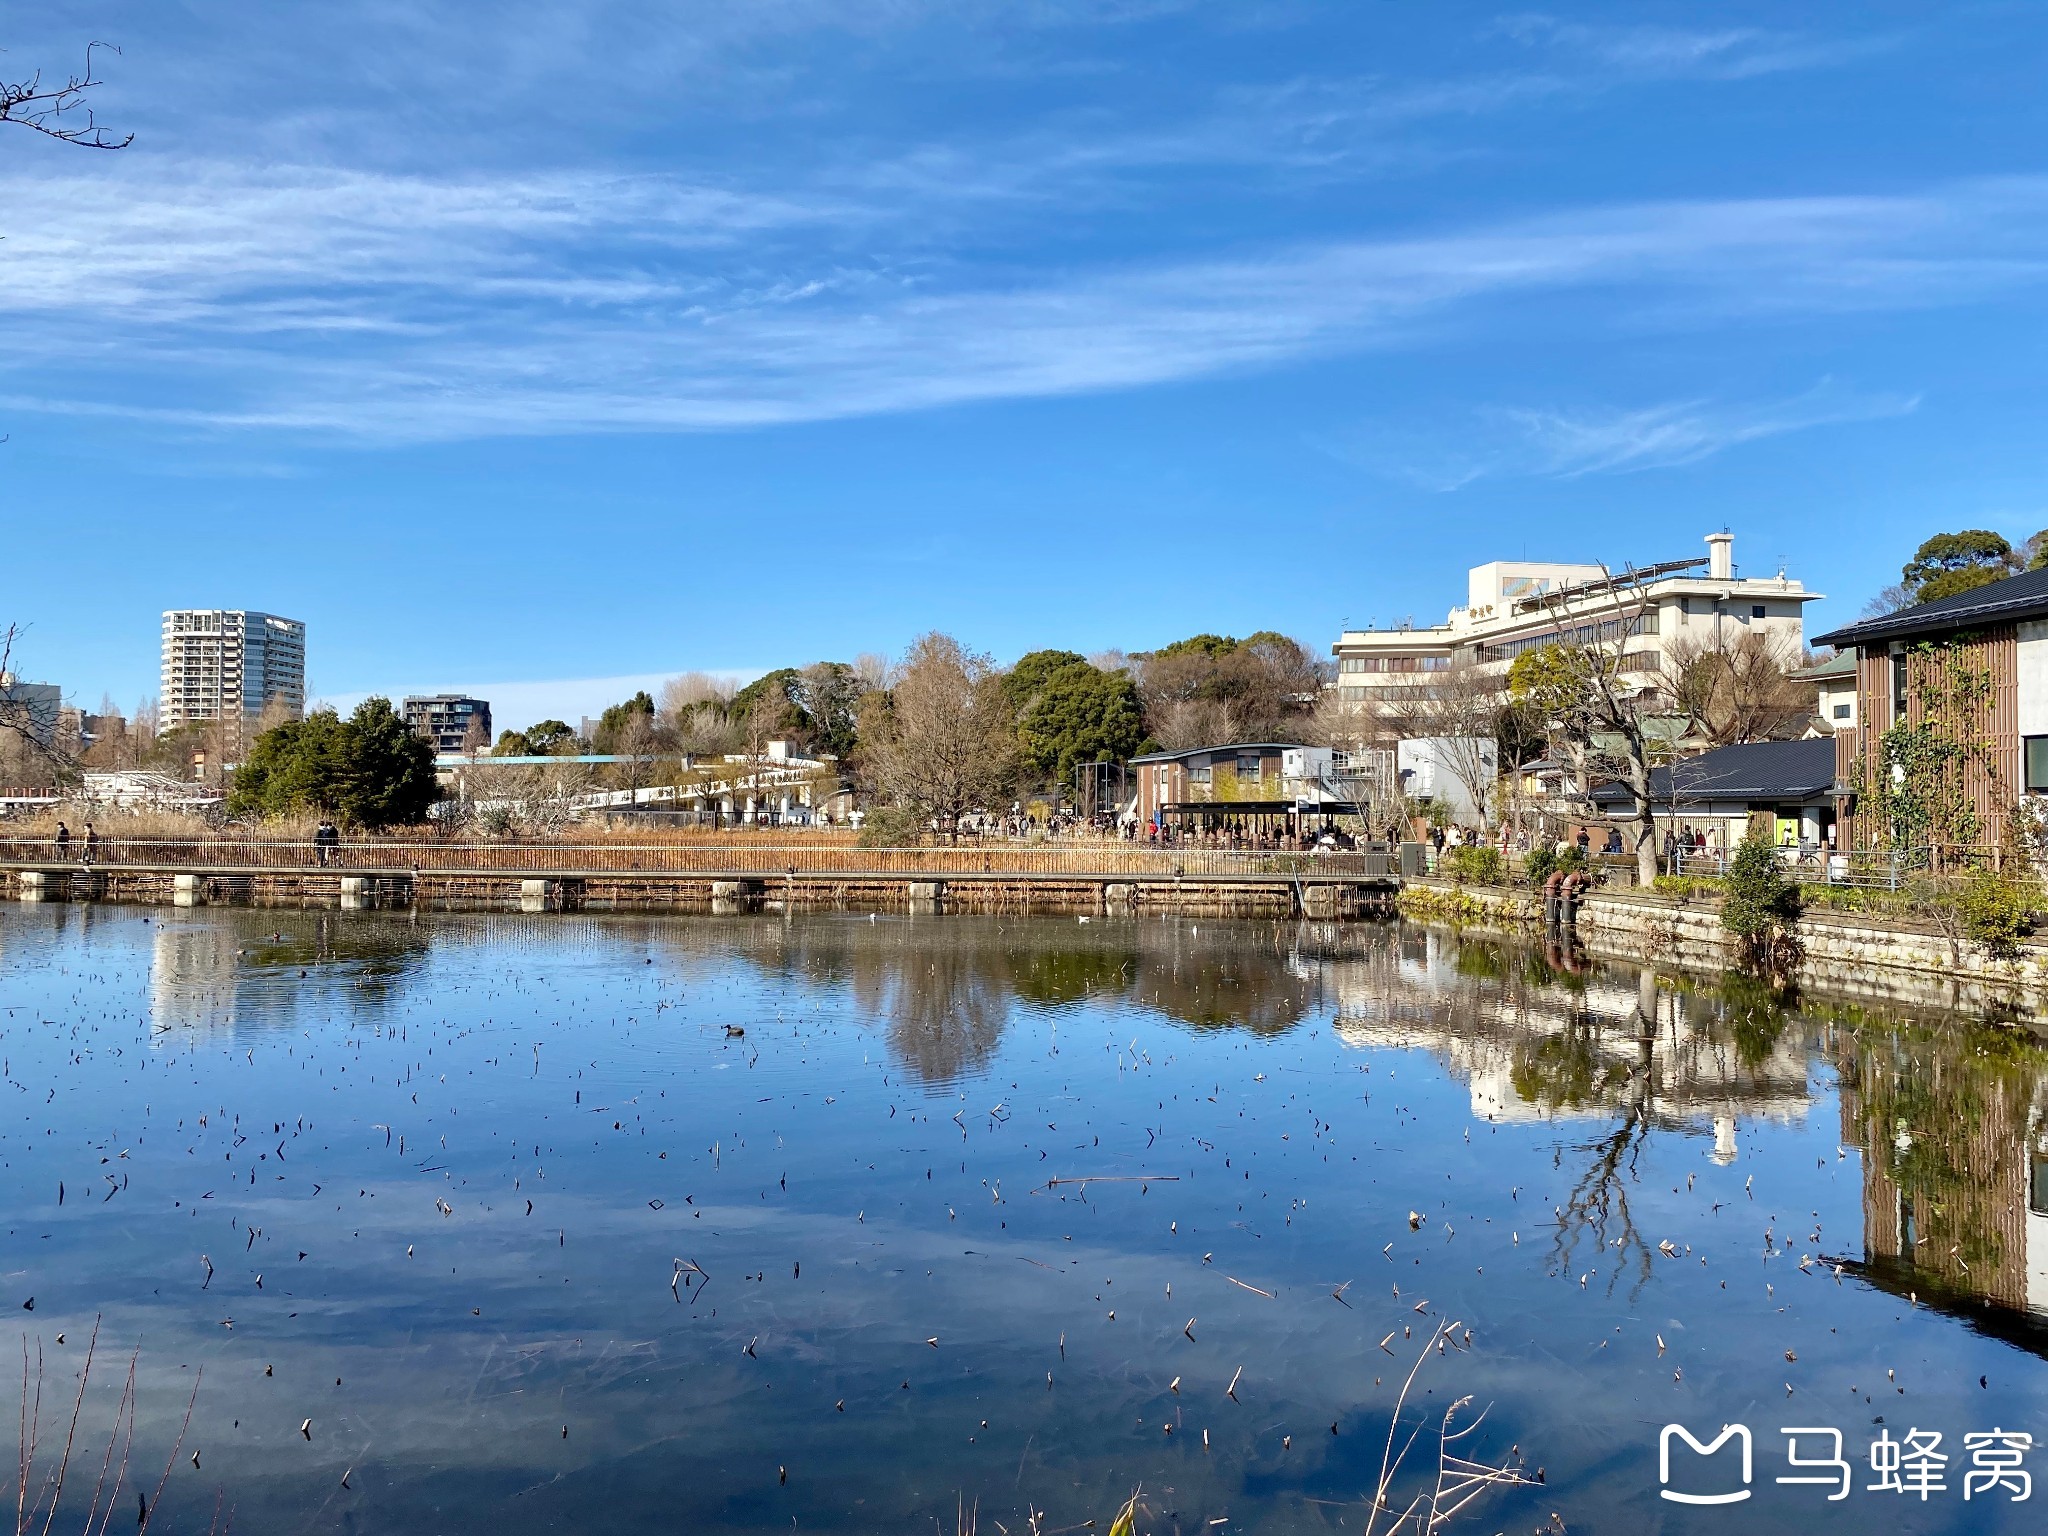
(52, 109)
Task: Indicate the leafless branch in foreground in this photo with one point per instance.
(1459, 1479)
(49, 1489)
(53, 109)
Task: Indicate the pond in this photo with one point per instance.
(851, 1223)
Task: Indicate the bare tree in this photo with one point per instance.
(941, 742)
(1890, 600)
(29, 745)
(60, 111)
(874, 670)
(1212, 690)
(1458, 712)
(1597, 699)
(1737, 691)
(694, 716)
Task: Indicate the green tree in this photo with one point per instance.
(369, 771)
(299, 765)
(388, 770)
(1028, 677)
(1760, 906)
(771, 705)
(513, 744)
(829, 693)
(1079, 714)
(550, 738)
(1950, 563)
(613, 723)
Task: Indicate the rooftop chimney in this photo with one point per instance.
(1721, 556)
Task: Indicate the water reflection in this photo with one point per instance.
(1955, 1168)
(1952, 1120)
(210, 972)
(552, 1109)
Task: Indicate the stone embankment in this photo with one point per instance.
(1894, 958)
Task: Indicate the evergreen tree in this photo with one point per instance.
(369, 771)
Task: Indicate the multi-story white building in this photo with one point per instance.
(230, 664)
(1514, 606)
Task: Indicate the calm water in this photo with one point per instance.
(444, 1171)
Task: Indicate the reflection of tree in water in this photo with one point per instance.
(1753, 1010)
(944, 990)
(1597, 1205)
(1053, 977)
(1245, 985)
(1954, 1127)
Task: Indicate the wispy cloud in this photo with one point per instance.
(1659, 52)
(398, 309)
(1570, 444)
(1519, 442)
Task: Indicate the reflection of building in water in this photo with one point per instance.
(227, 968)
(1533, 1039)
(1955, 1174)
(192, 975)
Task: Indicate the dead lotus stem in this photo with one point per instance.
(1250, 1287)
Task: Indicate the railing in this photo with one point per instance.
(1869, 868)
(388, 855)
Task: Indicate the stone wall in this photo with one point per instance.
(1895, 960)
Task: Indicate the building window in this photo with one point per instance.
(1756, 610)
(2036, 748)
(1841, 711)
(1898, 687)
(1248, 768)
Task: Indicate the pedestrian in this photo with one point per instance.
(92, 842)
(62, 841)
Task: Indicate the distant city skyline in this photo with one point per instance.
(1050, 323)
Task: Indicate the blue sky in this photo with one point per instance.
(540, 346)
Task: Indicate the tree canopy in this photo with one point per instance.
(1078, 713)
(618, 721)
(1950, 563)
(369, 771)
(1211, 689)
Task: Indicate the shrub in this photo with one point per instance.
(1759, 905)
(1544, 858)
(1996, 912)
(1479, 866)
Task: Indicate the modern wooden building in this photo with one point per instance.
(1951, 718)
(1250, 786)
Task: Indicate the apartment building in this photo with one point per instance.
(31, 708)
(1513, 606)
(230, 664)
(445, 719)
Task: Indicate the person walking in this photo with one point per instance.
(62, 841)
(326, 838)
(92, 842)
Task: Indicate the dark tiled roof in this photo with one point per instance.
(1762, 770)
(2016, 597)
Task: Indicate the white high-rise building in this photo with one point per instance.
(230, 664)
(1514, 606)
